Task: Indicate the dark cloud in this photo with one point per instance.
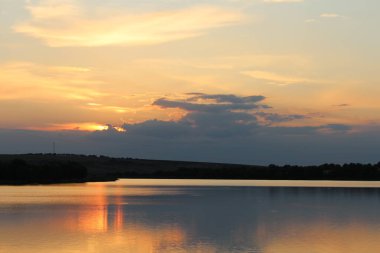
(219, 116)
(197, 125)
(308, 130)
(224, 124)
(292, 131)
(226, 98)
(165, 103)
(342, 105)
(337, 127)
(213, 116)
(276, 118)
(159, 129)
(209, 116)
(215, 103)
(302, 145)
(219, 128)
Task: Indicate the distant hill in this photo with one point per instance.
(67, 168)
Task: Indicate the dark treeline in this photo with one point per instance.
(67, 168)
(349, 172)
(18, 171)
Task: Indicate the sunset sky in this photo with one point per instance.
(243, 81)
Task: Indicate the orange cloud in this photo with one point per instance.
(29, 80)
(65, 24)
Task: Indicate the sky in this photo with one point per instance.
(239, 81)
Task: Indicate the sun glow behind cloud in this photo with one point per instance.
(84, 126)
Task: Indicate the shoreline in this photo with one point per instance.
(312, 181)
(45, 169)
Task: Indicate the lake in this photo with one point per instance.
(146, 216)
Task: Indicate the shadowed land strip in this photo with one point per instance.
(51, 168)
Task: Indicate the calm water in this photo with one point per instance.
(144, 216)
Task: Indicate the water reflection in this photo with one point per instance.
(324, 238)
(136, 218)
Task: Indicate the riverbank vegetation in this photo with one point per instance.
(67, 168)
(18, 171)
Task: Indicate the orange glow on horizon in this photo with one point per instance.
(91, 127)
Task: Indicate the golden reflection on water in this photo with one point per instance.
(134, 238)
(94, 218)
(88, 229)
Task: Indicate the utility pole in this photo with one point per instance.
(54, 148)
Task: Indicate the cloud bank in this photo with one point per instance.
(216, 127)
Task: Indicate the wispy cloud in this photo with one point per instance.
(283, 1)
(342, 105)
(64, 23)
(326, 15)
(45, 82)
(276, 78)
(33, 95)
(331, 15)
(311, 20)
